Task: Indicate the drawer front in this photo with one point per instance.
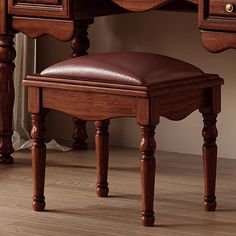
(216, 15)
(53, 2)
(40, 8)
(222, 8)
(217, 24)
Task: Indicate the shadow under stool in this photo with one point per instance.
(125, 84)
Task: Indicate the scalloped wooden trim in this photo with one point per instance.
(218, 41)
(140, 5)
(34, 28)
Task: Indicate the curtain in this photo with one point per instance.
(25, 64)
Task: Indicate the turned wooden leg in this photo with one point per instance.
(7, 55)
(80, 44)
(38, 161)
(80, 134)
(148, 165)
(209, 160)
(102, 156)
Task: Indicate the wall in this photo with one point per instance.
(173, 34)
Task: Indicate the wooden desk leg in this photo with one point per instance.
(7, 55)
(80, 44)
(209, 160)
(148, 166)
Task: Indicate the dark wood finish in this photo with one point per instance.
(7, 55)
(209, 151)
(53, 2)
(80, 134)
(102, 156)
(35, 93)
(218, 26)
(102, 101)
(218, 41)
(140, 5)
(106, 106)
(148, 166)
(80, 44)
(38, 161)
(218, 8)
(35, 28)
(40, 8)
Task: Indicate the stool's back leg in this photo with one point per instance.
(148, 166)
(102, 156)
(38, 161)
(80, 134)
(209, 151)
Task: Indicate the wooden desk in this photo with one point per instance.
(69, 19)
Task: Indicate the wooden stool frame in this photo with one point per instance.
(100, 102)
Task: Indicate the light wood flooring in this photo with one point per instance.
(73, 208)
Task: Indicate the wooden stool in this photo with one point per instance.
(126, 84)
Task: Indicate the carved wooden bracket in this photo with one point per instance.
(34, 28)
(142, 5)
(218, 41)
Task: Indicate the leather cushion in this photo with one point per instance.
(135, 68)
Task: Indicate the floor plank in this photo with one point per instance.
(74, 209)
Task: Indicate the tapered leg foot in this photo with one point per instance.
(147, 219)
(38, 203)
(148, 165)
(102, 156)
(102, 190)
(209, 160)
(210, 203)
(6, 159)
(38, 161)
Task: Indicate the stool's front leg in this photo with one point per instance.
(7, 55)
(209, 160)
(102, 156)
(148, 166)
(38, 161)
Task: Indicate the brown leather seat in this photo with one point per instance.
(134, 68)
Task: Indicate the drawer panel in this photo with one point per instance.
(213, 15)
(222, 8)
(40, 8)
(53, 2)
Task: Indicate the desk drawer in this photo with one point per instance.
(214, 15)
(40, 8)
(53, 2)
(222, 8)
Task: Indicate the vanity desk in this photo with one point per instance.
(68, 20)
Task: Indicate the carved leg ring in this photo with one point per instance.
(7, 55)
(38, 161)
(102, 156)
(148, 166)
(209, 160)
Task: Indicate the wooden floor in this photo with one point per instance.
(74, 209)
